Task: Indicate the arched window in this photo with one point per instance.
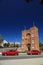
(28, 35)
(32, 35)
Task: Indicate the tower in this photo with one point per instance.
(30, 38)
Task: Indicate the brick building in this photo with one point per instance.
(30, 38)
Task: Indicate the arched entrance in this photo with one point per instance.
(28, 46)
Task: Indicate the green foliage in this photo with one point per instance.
(16, 45)
(41, 46)
(28, 46)
(6, 44)
(1, 47)
(1, 39)
(20, 45)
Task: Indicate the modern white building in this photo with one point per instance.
(17, 42)
(4, 41)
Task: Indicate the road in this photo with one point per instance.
(20, 56)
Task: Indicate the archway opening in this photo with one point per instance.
(28, 46)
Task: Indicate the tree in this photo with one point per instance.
(20, 45)
(28, 46)
(41, 46)
(1, 40)
(14, 44)
(5, 45)
(8, 44)
(1, 47)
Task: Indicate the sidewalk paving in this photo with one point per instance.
(33, 61)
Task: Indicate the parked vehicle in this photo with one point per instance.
(34, 52)
(10, 52)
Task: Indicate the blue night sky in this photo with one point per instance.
(16, 14)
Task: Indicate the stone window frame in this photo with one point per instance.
(32, 34)
(33, 41)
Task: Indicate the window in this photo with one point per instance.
(32, 41)
(32, 35)
(28, 35)
(32, 46)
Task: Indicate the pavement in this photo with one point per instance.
(20, 56)
(33, 61)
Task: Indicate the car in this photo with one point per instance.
(33, 52)
(10, 52)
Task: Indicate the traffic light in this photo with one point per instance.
(41, 1)
(28, 1)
